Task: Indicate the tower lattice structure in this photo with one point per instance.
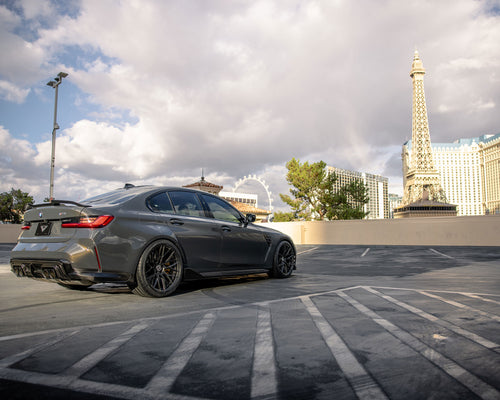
(422, 180)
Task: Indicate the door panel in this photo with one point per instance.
(200, 239)
(243, 245)
(199, 236)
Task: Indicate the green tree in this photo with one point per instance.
(283, 216)
(315, 195)
(306, 180)
(13, 204)
(348, 202)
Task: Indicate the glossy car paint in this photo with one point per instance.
(209, 246)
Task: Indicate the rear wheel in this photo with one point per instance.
(159, 271)
(284, 260)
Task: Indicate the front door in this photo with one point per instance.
(243, 245)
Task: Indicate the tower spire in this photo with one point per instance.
(422, 179)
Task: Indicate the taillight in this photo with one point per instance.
(88, 222)
(26, 226)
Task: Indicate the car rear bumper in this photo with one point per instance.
(61, 271)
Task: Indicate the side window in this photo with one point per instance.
(186, 203)
(221, 210)
(160, 203)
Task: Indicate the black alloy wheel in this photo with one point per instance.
(284, 260)
(159, 271)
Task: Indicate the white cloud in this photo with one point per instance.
(20, 60)
(242, 87)
(11, 92)
(17, 166)
(8, 19)
(36, 8)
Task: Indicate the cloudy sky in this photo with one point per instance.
(158, 90)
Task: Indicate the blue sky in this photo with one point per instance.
(158, 90)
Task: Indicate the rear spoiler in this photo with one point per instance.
(57, 203)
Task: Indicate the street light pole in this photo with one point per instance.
(54, 84)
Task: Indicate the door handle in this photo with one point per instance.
(226, 229)
(176, 222)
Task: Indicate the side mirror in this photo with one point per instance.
(250, 218)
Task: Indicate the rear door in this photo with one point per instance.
(198, 235)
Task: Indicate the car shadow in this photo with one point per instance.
(184, 287)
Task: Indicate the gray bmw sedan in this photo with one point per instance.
(151, 238)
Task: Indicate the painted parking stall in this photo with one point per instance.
(358, 342)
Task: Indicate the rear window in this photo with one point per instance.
(160, 203)
(115, 197)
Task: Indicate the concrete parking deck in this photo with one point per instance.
(353, 322)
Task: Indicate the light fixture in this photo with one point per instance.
(54, 84)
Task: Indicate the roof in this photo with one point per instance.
(202, 182)
(460, 142)
(428, 203)
(247, 208)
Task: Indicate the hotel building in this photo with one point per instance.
(469, 171)
(378, 204)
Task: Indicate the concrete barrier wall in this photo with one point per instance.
(438, 231)
(9, 233)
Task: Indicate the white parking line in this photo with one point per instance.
(163, 317)
(162, 382)
(441, 254)
(264, 373)
(427, 291)
(223, 308)
(472, 382)
(365, 252)
(480, 298)
(84, 386)
(264, 381)
(92, 359)
(307, 251)
(463, 332)
(362, 383)
(460, 305)
(7, 361)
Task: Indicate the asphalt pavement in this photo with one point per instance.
(376, 322)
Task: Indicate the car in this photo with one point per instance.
(151, 238)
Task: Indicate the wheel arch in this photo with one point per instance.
(276, 271)
(146, 244)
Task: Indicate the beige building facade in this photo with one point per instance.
(469, 171)
(490, 173)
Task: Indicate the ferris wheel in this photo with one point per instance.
(261, 181)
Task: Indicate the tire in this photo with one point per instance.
(284, 260)
(159, 271)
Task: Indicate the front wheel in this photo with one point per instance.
(284, 260)
(159, 271)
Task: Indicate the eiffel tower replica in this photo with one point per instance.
(423, 193)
